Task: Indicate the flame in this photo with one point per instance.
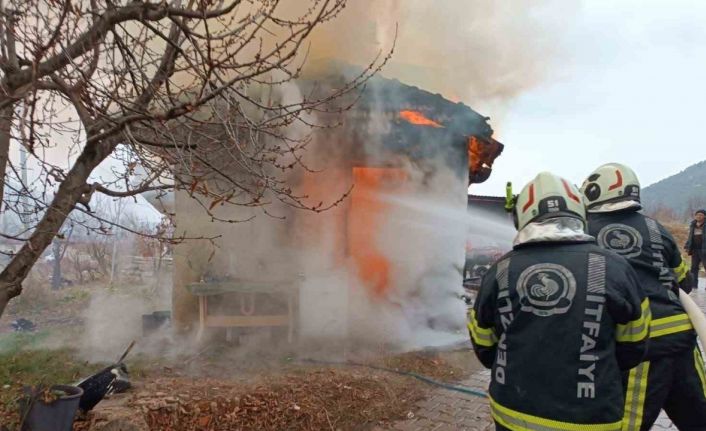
(475, 155)
(365, 218)
(416, 117)
(482, 152)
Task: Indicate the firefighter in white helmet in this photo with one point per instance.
(672, 377)
(557, 319)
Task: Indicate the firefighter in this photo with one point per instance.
(672, 377)
(557, 319)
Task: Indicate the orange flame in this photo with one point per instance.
(365, 220)
(475, 155)
(416, 117)
(482, 152)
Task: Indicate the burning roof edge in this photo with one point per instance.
(390, 96)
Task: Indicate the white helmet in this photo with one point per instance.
(610, 183)
(548, 196)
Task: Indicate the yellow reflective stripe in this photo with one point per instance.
(681, 271)
(629, 395)
(636, 330)
(699, 364)
(479, 329)
(635, 397)
(523, 422)
(481, 336)
(670, 325)
(479, 339)
(670, 319)
(673, 330)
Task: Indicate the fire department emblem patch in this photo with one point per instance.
(546, 289)
(622, 239)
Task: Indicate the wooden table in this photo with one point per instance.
(245, 289)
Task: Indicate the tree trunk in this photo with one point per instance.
(68, 194)
(5, 130)
(114, 258)
(79, 268)
(56, 273)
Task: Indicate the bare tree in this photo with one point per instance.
(99, 251)
(694, 204)
(101, 248)
(59, 246)
(180, 89)
(663, 213)
(85, 268)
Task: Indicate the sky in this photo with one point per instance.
(630, 88)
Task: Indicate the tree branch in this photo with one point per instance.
(134, 11)
(129, 193)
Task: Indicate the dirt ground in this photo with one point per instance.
(290, 396)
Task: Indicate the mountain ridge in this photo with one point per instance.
(681, 193)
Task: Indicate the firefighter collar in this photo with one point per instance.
(561, 229)
(616, 206)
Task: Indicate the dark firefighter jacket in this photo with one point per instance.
(690, 238)
(651, 250)
(556, 323)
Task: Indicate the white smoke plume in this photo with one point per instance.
(475, 51)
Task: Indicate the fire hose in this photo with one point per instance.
(425, 379)
(698, 320)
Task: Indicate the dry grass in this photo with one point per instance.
(679, 231)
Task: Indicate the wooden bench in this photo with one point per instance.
(246, 291)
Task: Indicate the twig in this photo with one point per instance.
(328, 419)
(197, 354)
(132, 344)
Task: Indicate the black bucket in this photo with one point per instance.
(57, 415)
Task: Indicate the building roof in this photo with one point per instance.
(489, 204)
(377, 122)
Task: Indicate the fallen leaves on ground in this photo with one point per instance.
(428, 364)
(319, 399)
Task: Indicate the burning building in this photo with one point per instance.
(385, 263)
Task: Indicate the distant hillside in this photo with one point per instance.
(682, 193)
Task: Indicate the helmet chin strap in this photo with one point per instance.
(616, 206)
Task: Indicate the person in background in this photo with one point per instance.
(557, 319)
(672, 376)
(696, 246)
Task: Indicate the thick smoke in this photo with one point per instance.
(476, 51)
(480, 52)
